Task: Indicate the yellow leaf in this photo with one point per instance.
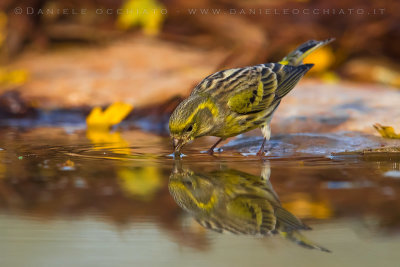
(304, 207)
(68, 165)
(141, 182)
(108, 141)
(3, 27)
(114, 114)
(386, 131)
(14, 77)
(143, 13)
(322, 58)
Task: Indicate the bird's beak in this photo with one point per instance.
(177, 167)
(178, 144)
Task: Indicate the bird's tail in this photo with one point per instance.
(296, 57)
(288, 226)
(296, 237)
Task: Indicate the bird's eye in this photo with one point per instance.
(190, 128)
(187, 183)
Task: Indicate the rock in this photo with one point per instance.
(317, 107)
(11, 104)
(312, 144)
(320, 119)
(140, 71)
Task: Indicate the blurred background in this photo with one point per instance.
(86, 90)
(80, 54)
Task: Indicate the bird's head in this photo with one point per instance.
(194, 117)
(192, 191)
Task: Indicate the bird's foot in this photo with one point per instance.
(261, 153)
(211, 150)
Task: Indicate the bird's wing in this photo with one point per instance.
(241, 215)
(216, 81)
(252, 89)
(253, 92)
(264, 85)
(287, 77)
(287, 221)
(250, 215)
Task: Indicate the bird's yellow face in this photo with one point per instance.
(194, 117)
(193, 192)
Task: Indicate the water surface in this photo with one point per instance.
(76, 198)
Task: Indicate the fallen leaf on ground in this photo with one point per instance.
(322, 58)
(386, 131)
(13, 77)
(143, 13)
(103, 120)
(3, 27)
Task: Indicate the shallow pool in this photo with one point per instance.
(77, 198)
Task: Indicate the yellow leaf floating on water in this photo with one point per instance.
(386, 131)
(104, 140)
(144, 13)
(99, 123)
(114, 114)
(68, 165)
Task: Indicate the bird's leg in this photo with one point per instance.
(211, 150)
(266, 131)
(261, 151)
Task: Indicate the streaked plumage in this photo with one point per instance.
(236, 202)
(234, 101)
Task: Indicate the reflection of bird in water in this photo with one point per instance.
(237, 202)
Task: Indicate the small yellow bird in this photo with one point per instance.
(237, 202)
(234, 101)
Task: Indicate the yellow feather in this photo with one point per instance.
(284, 62)
(209, 104)
(204, 206)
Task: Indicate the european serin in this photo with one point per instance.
(237, 202)
(234, 101)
